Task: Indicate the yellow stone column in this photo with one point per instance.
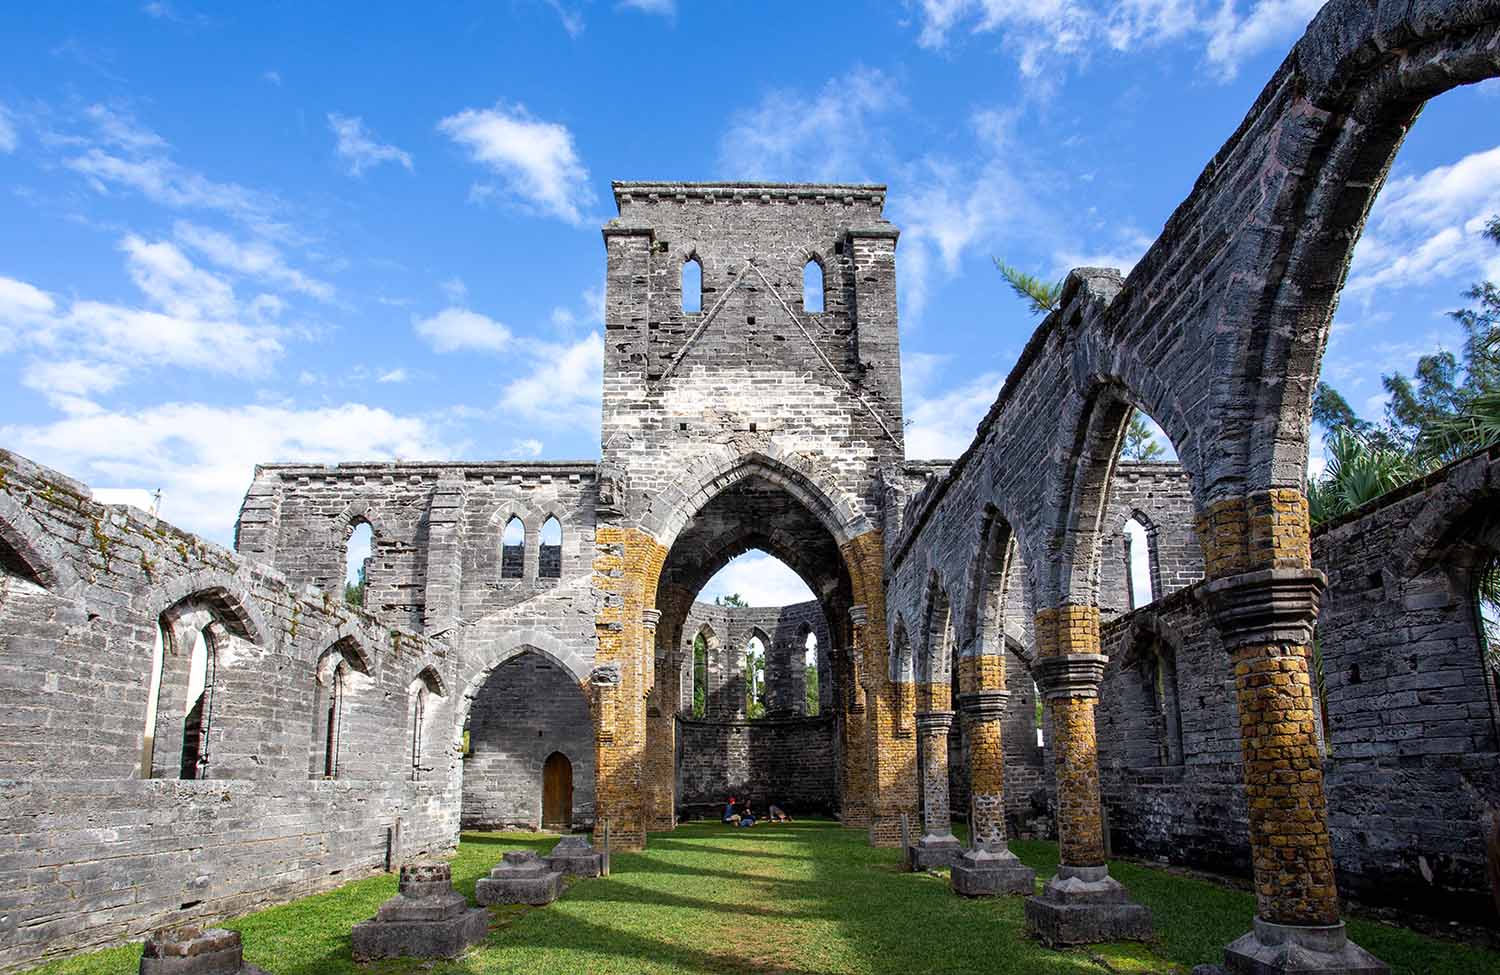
(627, 566)
(1264, 594)
(661, 733)
(937, 846)
(987, 867)
(1082, 903)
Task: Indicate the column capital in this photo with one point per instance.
(1069, 675)
(1266, 606)
(650, 617)
(984, 705)
(934, 720)
(859, 614)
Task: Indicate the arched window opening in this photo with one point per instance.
(423, 688)
(700, 675)
(692, 286)
(755, 678)
(357, 563)
(1140, 567)
(812, 286)
(549, 554)
(181, 695)
(1159, 671)
(811, 679)
(198, 720)
(332, 699)
(1041, 734)
(513, 550)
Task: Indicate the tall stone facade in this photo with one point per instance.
(1313, 709)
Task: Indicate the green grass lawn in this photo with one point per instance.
(795, 899)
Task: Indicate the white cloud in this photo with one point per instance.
(203, 456)
(255, 258)
(272, 77)
(357, 145)
(1268, 23)
(456, 329)
(565, 386)
(393, 376)
(572, 20)
(174, 283)
(22, 303)
(529, 447)
(942, 427)
(1430, 225)
(760, 579)
(73, 377)
(536, 161)
(8, 138)
(824, 137)
(1050, 35)
(661, 8)
(455, 289)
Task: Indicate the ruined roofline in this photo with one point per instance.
(807, 605)
(627, 190)
(416, 466)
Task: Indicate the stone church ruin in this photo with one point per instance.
(195, 732)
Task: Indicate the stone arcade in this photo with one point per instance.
(327, 742)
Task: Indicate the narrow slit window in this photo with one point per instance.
(549, 554)
(357, 563)
(1138, 574)
(513, 550)
(692, 286)
(812, 286)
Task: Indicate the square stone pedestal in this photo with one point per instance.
(575, 857)
(195, 951)
(985, 873)
(1085, 905)
(521, 878)
(1277, 949)
(934, 850)
(427, 919)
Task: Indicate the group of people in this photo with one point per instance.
(734, 815)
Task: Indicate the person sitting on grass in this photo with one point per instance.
(748, 819)
(731, 816)
(777, 815)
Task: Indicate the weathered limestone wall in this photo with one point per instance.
(782, 630)
(97, 854)
(788, 761)
(529, 708)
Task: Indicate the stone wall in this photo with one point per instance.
(96, 853)
(528, 708)
(788, 761)
(783, 632)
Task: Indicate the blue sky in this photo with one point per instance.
(344, 233)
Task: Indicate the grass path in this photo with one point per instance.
(804, 898)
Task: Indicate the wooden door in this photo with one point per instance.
(557, 792)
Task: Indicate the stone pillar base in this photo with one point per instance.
(427, 919)
(935, 850)
(521, 878)
(575, 856)
(985, 873)
(195, 951)
(1085, 905)
(1277, 949)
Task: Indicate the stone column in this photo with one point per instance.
(1082, 904)
(937, 847)
(854, 756)
(660, 773)
(987, 866)
(1264, 595)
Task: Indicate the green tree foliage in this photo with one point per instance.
(733, 599)
(1140, 443)
(700, 676)
(755, 682)
(1448, 408)
(811, 679)
(354, 592)
(1039, 296)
